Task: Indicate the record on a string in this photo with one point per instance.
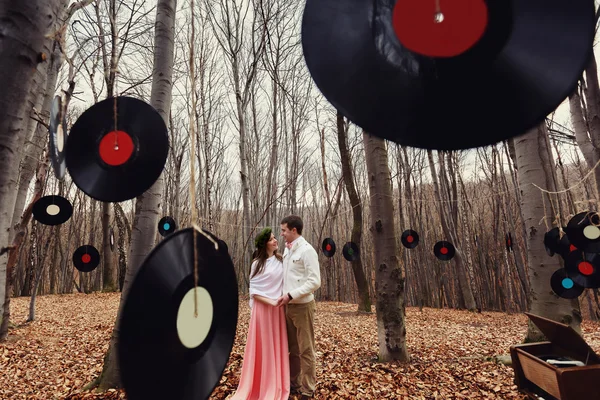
(166, 226)
(86, 258)
(552, 241)
(161, 341)
(565, 247)
(351, 251)
(404, 72)
(583, 268)
(111, 239)
(52, 210)
(508, 242)
(564, 286)
(444, 250)
(584, 231)
(116, 160)
(57, 129)
(409, 239)
(328, 247)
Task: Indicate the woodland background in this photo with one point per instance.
(266, 144)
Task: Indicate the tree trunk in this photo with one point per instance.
(364, 300)
(531, 151)
(148, 204)
(389, 283)
(109, 283)
(24, 27)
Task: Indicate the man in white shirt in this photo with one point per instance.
(301, 277)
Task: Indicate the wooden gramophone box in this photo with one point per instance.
(563, 368)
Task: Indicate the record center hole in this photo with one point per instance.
(52, 209)
(193, 330)
(567, 283)
(60, 138)
(438, 17)
(591, 232)
(585, 268)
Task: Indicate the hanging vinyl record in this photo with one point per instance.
(583, 268)
(351, 251)
(552, 241)
(406, 71)
(86, 258)
(162, 339)
(444, 250)
(58, 137)
(584, 231)
(111, 239)
(409, 239)
(565, 247)
(166, 226)
(52, 210)
(564, 286)
(328, 247)
(114, 160)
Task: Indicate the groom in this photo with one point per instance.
(301, 277)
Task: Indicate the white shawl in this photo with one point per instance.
(268, 283)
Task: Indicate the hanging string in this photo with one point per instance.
(115, 95)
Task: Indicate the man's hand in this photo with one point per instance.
(283, 300)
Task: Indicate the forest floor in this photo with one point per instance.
(55, 356)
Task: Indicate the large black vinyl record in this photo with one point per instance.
(584, 232)
(583, 268)
(154, 361)
(86, 258)
(52, 210)
(527, 61)
(114, 164)
(409, 239)
(351, 251)
(328, 247)
(58, 137)
(564, 286)
(444, 250)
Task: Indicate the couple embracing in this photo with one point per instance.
(280, 359)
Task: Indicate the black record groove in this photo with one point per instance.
(328, 247)
(527, 62)
(351, 251)
(114, 164)
(584, 232)
(583, 268)
(564, 286)
(52, 210)
(86, 258)
(166, 226)
(58, 137)
(444, 250)
(409, 239)
(150, 348)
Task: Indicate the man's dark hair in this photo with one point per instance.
(293, 221)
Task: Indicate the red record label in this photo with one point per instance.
(585, 268)
(86, 258)
(444, 250)
(440, 28)
(409, 239)
(328, 247)
(116, 148)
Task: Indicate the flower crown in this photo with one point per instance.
(263, 237)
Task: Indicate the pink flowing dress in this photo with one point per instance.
(265, 368)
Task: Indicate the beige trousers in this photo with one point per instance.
(300, 320)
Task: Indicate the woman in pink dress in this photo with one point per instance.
(265, 370)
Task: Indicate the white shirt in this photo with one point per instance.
(268, 283)
(301, 271)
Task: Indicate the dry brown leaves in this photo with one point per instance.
(55, 356)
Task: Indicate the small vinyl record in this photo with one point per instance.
(351, 251)
(444, 250)
(564, 286)
(328, 247)
(583, 268)
(584, 231)
(162, 340)
(166, 226)
(508, 241)
(116, 160)
(111, 239)
(552, 241)
(409, 239)
(389, 65)
(86, 258)
(52, 210)
(58, 137)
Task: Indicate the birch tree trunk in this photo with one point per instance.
(389, 283)
(531, 151)
(22, 32)
(148, 204)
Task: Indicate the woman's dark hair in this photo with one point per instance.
(260, 254)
